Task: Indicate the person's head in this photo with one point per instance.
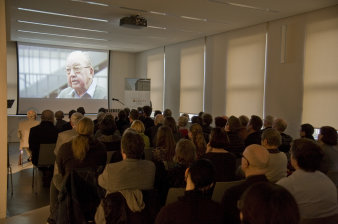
(306, 155)
(220, 122)
(31, 115)
(196, 120)
(244, 120)
(47, 115)
(271, 138)
(147, 111)
(75, 118)
(122, 115)
(133, 115)
(218, 138)
(185, 152)
(233, 124)
(159, 119)
(200, 176)
(268, 121)
(81, 110)
(328, 135)
(255, 160)
(170, 122)
(195, 134)
(107, 124)
(186, 115)
(80, 144)
(306, 131)
(80, 72)
(99, 117)
(182, 121)
(207, 119)
(132, 145)
(167, 113)
(59, 115)
(255, 123)
(156, 112)
(127, 111)
(102, 110)
(165, 140)
(279, 124)
(70, 113)
(269, 203)
(138, 126)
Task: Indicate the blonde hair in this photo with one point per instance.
(138, 126)
(198, 139)
(80, 144)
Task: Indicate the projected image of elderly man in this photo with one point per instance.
(80, 77)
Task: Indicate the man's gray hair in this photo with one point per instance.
(47, 115)
(272, 136)
(82, 54)
(75, 118)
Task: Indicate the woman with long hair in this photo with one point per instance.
(196, 136)
(165, 146)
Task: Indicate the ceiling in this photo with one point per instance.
(95, 23)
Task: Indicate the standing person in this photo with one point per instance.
(80, 76)
(23, 134)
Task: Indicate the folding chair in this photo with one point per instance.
(221, 187)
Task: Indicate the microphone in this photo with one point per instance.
(114, 99)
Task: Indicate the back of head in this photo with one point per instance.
(165, 140)
(182, 121)
(256, 122)
(218, 138)
(196, 120)
(159, 119)
(156, 112)
(102, 110)
(47, 115)
(85, 127)
(107, 124)
(307, 129)
(202, 174)
(257, 157)
(75, 118)
(122, 115)
(59, 115)
(234, 124)
(207, 119)
(307, 154)
(167, 113)
(70, 113)
(80, 144)
(81, 110)
(31, 114)
(127, 111)
(170, 122)
(272, 136)
(147, 110)
(220, 122)
(132, 144)
(138, 126)
(244, 120)
(280, 125)
(268, 203)
(185, 152)
(328, 135)
(268, 121)
(133, 114)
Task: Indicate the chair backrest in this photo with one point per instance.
(325, 220)
(46, 155)
(174, 193)
(221, 187)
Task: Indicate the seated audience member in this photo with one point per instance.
(68, 126)
(81, 110)
(254, 165)
(153, 130)
(220, 122)
(147, 120)
(254, 131)
(171, 123)
(96, 121)
(268, 203)
(244, 120)
(133, 115)
(23, 133)
(138, 126)
(99, 117)
(223, 160)
(206, 122)
(167, 113)
(315, 193)
(195, 206)
(82, 151)
(182, 126)
(281, 125)
(185, 155)
(306, 131)
(121, 122)
(327, 139)
(127, 111)
(165, 147)
(156, 112)
(267, 122)
(59, 120)
(108, 133)
(234, 143)
(277, 167)
(186, 115)
(196, 136)
(196, 120)
(243, 132)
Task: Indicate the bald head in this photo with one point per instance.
(255, 160)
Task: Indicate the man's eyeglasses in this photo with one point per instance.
(76, 69)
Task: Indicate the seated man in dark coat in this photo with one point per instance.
(254, 131)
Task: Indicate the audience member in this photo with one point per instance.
(306, 131)
(127, 111)
(234, 143)
(254, 165)
(244, 120)
(182, 126)
(59, 120)
(196, 120)
(156, 112)
(23, 134)
(315, 193)
(153, 130)
(207, 120)
(97, 121)
(281, 125)
(267, 122)
(133, 115)
(277, 167)
(138, 126)
(220, 122)
(167, 113)
(147, 120)
(254, 131)
(68, 126)
(223, 160)
(81, 110)
(185, 155)
(171, 123)
(165, 146)
(196, 136)
(122, 123)
(195, 206)
(268, 203)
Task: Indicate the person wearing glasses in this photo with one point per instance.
(80, 78)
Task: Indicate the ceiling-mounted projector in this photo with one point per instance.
(135, 22)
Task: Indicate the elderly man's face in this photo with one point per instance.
(79, 74)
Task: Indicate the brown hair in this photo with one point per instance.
(80, 144)
(198, 139)
(165, 140)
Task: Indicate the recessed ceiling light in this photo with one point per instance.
(91, 3)
(59, 26)
(60, 35)
(157, 27)
(158, 13)
(61, 14)
(244, 6)
(132, 9)
(194, 18)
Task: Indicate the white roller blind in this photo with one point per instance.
(245, 67)
(192, 77)
(320, 102)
